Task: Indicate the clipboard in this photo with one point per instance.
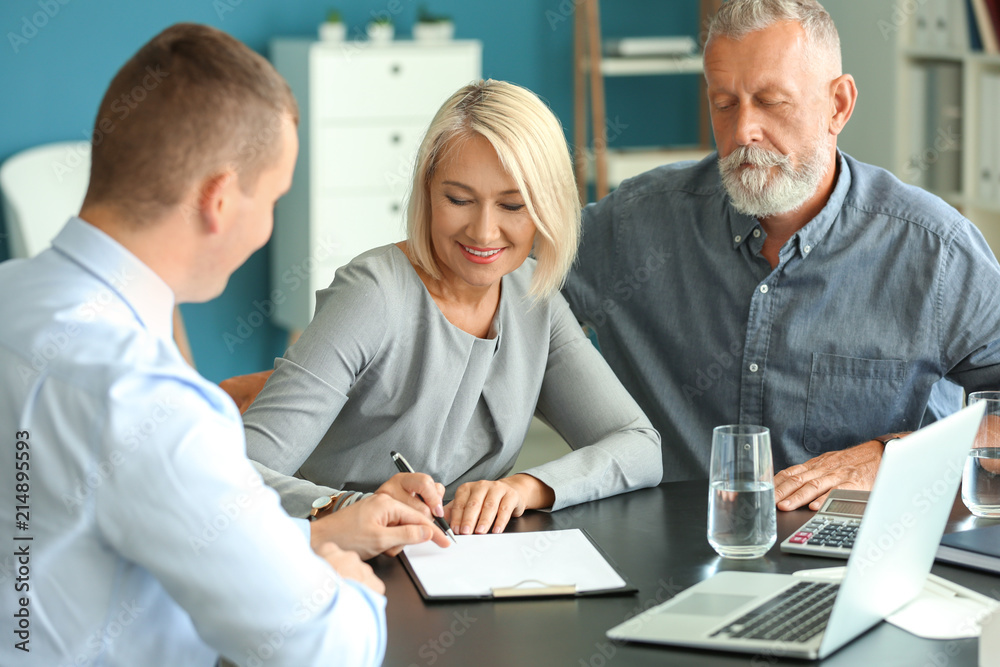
(507, 566)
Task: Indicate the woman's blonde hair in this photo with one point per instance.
(531, 146)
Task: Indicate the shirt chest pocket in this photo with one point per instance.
(851, 400)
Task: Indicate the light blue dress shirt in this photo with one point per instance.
(886, 291)
(151, 539)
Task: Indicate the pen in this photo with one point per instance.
(404, 466)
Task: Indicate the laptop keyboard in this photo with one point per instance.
(796, 615)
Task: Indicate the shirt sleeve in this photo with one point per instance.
(616, 449)
(185, 504)
(969, 311)
(310, 383)
(297, 494)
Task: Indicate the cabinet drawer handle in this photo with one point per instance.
(396, 138)
(395, 207)
(397, 68)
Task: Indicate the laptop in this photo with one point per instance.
(789, 616)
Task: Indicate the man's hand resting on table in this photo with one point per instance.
(375, 525)
(810, 482)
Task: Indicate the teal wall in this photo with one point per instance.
(57, 57)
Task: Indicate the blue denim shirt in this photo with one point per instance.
(887, 290)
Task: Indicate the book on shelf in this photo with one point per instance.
(975, 39)
(934, 159)
(978, 548)
(942, 149)
(987, 17)
(650, 47)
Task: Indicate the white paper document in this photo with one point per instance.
(479, 564)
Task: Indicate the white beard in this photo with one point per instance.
(754, 192)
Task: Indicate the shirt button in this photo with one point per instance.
(754, 368)
(763, 289)
(756, 233)
(737, 239)
(807, 249)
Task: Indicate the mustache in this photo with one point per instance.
(753, 155)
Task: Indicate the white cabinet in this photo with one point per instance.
(363, 110)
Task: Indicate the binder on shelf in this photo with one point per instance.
(913, 171)
(975, 40)
(989, 136)
(941, 153)
(959, 37)
(995, 145)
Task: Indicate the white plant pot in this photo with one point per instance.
(380, 32)
(332, 32)
(439, 31)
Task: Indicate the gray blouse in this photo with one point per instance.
(380, 368)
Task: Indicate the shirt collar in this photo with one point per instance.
(139, 287)
(742, 226)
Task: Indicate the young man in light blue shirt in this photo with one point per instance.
(142, 535)
(781, 282)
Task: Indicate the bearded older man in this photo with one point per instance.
(781, 282)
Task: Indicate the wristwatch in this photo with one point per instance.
(322, 504)
(888, 437)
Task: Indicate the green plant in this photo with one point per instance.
(424, 15)
(382, 20)
(333, 16)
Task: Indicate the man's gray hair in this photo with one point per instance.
(738, 18)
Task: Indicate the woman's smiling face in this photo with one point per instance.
(480, 228)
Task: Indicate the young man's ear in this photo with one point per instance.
(215, 198)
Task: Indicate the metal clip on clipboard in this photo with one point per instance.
(521, 589)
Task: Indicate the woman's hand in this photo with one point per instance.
(478, 506)
(406, 486)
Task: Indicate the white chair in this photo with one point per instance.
(41, 188)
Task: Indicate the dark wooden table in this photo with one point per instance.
(656, 537)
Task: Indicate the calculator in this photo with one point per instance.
(831, 531)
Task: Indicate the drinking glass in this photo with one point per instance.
(741, 512)
(981, 478)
